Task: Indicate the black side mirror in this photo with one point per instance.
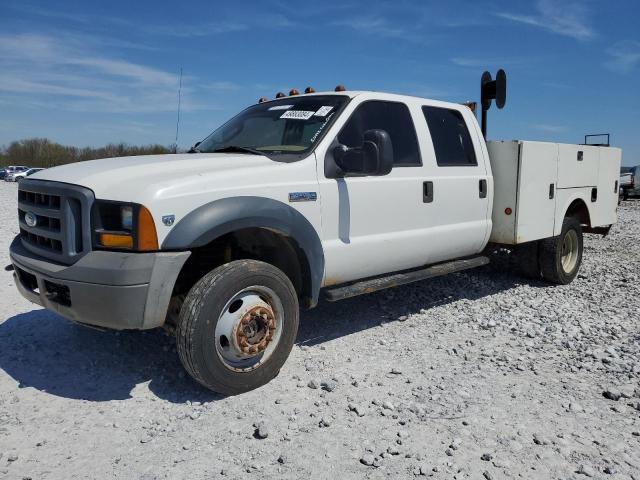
(374, 157)
(194, 149)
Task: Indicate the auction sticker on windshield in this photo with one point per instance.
(322, 111)
(297, 114)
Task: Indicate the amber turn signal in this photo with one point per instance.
(116, 240)
(147, 236)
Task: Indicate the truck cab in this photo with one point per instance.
(334, 194)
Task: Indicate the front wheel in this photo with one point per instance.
(561, 256)
(237, 326)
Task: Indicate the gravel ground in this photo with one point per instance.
(476, 375)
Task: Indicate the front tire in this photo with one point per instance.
(561, 256)
(237, 326)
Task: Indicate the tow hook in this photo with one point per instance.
(9, 268)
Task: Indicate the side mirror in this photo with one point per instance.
(194, 149)
(374, 157)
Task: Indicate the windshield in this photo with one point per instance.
(291, 125)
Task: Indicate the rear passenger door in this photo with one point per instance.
(458, 213)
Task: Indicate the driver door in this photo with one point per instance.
(369, 224)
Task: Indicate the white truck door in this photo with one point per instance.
(369, 224)
(457, 215)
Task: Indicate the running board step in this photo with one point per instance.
(373, 285)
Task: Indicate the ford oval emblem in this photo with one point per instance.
(30, 219)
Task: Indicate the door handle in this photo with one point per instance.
(483, 188)
(427, 192)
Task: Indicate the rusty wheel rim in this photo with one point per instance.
(249, 328)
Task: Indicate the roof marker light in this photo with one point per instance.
(280, 95)
(309, 90)
(293, 92)
(263, 99)
(340, 88)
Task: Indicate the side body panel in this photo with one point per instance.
(505, 163)
(526, 175)
(375, 225)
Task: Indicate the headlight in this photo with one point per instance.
(127, 226)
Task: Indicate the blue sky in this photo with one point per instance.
(88, 73)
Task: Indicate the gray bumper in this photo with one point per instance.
(115, 290)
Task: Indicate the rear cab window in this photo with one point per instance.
(450, 136)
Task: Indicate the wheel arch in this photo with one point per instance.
(241, 216)
(574, 206)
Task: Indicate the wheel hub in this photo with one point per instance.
(255, 330)
(569, 251)
(249, 328)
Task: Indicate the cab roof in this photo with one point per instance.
(370, 94)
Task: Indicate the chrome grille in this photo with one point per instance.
(58, 226)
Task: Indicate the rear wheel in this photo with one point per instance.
(561, 256)
(237, 326)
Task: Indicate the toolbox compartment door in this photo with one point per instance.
(578, 166)
(535, 216)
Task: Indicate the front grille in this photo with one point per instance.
(61, 215)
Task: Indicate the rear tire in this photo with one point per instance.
(237, 326)
(561, 256)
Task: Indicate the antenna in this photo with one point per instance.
(489, 90)
(179, 100)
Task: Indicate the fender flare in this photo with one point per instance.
(217, 218)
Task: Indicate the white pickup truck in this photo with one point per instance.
(331, 194)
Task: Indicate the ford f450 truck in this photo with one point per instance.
(331, 194)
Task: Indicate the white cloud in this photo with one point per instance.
(479, 62)
(624, 56)
(377, 26)
(550, 128)
(61, 73)
(568, 18)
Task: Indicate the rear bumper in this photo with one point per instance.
(115, 290)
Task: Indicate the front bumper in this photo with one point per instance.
(117, 290)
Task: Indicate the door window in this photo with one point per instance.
(451, 140)
(392, 117)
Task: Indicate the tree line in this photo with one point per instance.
(41, 152)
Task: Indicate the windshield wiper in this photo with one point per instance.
(236, 148)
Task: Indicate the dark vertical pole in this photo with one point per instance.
(484, 123)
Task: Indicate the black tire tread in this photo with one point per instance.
(550, 254)
(189, 313)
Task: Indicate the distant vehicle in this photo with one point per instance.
(12, 169)
(627, 181)
(17, 176)
(633, 190)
